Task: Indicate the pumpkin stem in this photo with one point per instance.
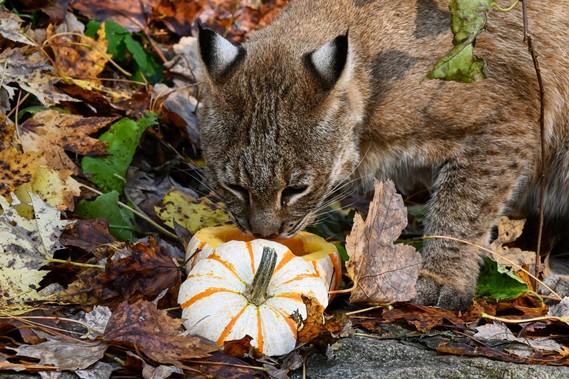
(256, 293)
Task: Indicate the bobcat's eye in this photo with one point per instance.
(291, 192)
(238, 191)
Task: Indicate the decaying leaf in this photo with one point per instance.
(190, 212)
(382, 272)
(64, 354)
(16, 168)
(313, 325)
(25, 246)
(33, 73)
(57, 188)
(11, 27)
(509, 231)
(51, 132)
(154, 333)
(499, 331)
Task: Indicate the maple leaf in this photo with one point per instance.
(11, 27)
(154, 333)
(25, 246)
(51, 132)
(382, 272)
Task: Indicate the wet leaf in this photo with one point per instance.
(382, 272)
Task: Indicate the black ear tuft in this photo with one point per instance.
(328, 61)
(219, 56)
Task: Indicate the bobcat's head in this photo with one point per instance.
(279, 127)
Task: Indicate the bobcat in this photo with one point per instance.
(336, 89)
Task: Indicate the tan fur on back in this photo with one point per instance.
(268, 126)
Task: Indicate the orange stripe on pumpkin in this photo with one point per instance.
(290, 295)
(206, 293)
(260, 338)
(251, 255)
(285, 259)
(301, 276)
(227, 265)
(196, 253)
(230, 326)
(337, 269)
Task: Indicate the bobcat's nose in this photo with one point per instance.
(265, 225)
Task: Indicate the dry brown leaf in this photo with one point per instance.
(7, 132)
(65, 354)
(314, 323)
(382, 272)
(155, 334)
(51, 132)
(132, 14)
(509, 231)
(238, 348)
(79, 57)
(421, 317)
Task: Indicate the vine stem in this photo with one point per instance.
(256, 293)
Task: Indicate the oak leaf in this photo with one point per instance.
(382, 272)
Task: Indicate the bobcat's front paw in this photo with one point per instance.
(432, 289)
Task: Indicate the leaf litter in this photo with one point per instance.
(75, 137)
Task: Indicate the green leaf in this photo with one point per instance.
(122, 138)
(498, 283)
(468, 18)
(121, 221)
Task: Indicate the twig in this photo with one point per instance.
(528, 40)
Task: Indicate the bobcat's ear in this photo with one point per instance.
(328, 62)
(218, 55)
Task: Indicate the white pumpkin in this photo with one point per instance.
(321, 254)
(216, 303)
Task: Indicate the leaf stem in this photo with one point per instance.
(54, 260)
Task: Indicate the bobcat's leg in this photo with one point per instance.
(471, 191)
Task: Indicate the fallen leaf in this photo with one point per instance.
(509, 231)
(51, 132)
(123, 136)
(97, 321)
(57, 188)
(238, 348)
(64, 354)
(423, 318)
(313, 325)
(382, 272)
(11, 27)
(142, 268)
(16, 168)
(33, 73)
(87, 234)
(132, 14)
(499, 331)
(498, 283)
(155, 334)
(190, 212)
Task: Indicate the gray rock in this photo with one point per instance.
(361, 357)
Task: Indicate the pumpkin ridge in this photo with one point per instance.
(290, 322)
(230, 325)
(206, 293)
(287, 257)
(227, 265)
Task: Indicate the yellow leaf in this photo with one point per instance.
(57, 188)
(190, 212)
